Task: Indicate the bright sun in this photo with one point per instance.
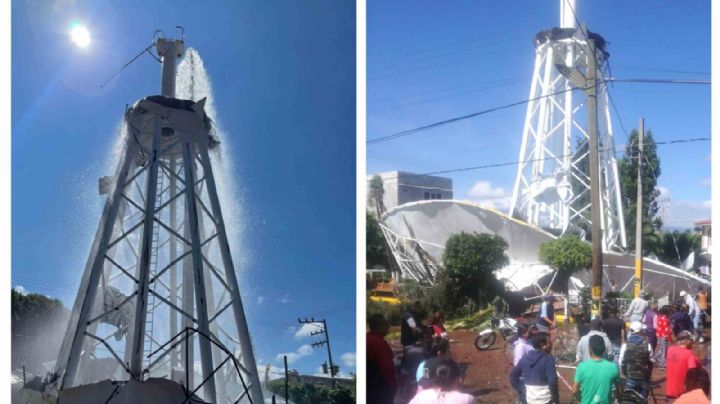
(79, 34)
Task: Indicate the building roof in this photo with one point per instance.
(703, 222)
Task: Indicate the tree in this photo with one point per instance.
(38, 324)
(376, 192)
(566, 255)
(470, 262)
(676, 246)
(628, 168)
(376, 252)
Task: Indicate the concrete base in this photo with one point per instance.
(151, 391)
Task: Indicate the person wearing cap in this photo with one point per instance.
(680, 358)
(634, 360)
(444, 385)
(638, 307)
(693, 309)
(582, 352)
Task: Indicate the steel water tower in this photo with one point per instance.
(158, 314)
(552, 186)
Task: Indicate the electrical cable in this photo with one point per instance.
(472, 115)
(130, 62)
(514, 163)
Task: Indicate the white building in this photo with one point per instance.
(401, 187)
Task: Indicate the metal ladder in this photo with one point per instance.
(148, 347)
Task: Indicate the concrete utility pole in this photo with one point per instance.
(638, 217)
(595, 195)
(326, 341)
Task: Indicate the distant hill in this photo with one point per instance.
(38, 325)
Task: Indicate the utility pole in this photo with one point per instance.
(287, 397)
(326, 341)
(595, 195)
(638, 217)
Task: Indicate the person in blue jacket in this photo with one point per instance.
(534, 377)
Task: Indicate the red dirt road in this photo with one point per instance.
(486, 376)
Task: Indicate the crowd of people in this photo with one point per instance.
(611, 358)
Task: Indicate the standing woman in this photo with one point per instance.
(649, 320)
(444, 384)
(664, 336)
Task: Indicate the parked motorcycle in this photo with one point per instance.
(506, 327)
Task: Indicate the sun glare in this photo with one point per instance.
(79, 34)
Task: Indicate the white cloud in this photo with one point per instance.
(285, 299)
(684, 214)
(303, 351)
(20, 289)
(348, 359)
(306, 329)
(260, 300)
(485, 194)
(680, 214)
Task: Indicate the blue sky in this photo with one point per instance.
(284, 84)
(430, 61)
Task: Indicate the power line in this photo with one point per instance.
(514, 163)
(659, 81)
(514, 104)
(460, 118)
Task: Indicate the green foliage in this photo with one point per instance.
(469, 263)
(473, 322)
(391, 312)
(308, 393)
(376, 192)
(567, 254)
(676, 246)
(376, 252)
(38, 324)
(628, 168)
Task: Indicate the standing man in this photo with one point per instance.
(546, 315)
(638, 307)
(595, 378)
(534, 377)
(582, 352)
(615, 330)
(381, 382)
(410, 327)
(703, 306)
(693, 310)
(635, 360)
(680, 358)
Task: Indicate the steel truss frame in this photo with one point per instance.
(162, 248)
(552, 132)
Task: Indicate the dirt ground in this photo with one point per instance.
(486, 375)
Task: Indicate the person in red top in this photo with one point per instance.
(381, 382)
(680, 358)
(438, 321)
(664, 336)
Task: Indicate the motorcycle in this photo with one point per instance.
(506, 327)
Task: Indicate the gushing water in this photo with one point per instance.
(193, 83)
